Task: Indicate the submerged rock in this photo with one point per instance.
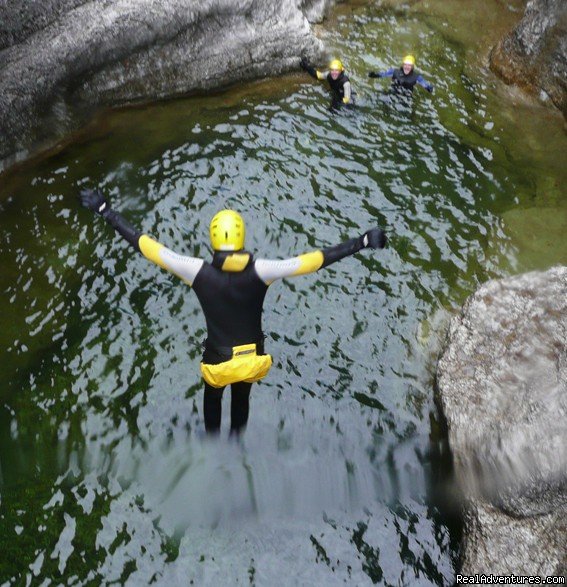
(533, 233)
(534, 54)
(502, 383)
(63, 59)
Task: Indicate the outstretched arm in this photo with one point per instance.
(315, 73)
(186, 268)
(269, 270)
(347, 88)
(387, 73)
(424, 83)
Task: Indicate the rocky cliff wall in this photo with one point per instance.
(502, 383)
(62, 59)
(534, 54)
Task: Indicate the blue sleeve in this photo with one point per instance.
(424, 84)
(388, 73)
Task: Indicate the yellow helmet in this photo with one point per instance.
(336, 64)
(409, 59)
(227, 231)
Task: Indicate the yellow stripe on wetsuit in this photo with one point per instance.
(309, 262)
(151, 250)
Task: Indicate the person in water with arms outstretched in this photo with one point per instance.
(231, 289)
(342, 93)
(405, 77)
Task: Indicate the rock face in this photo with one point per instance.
(502, 383)
(61, 59)
(534, 54)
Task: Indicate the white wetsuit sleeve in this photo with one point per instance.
(186, 268)
(269, 270)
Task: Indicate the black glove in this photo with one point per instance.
(429, 88)
(304, 64)
(373, 74)
(94, 200)
(375, 238)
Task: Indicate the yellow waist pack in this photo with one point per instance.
(245, 365)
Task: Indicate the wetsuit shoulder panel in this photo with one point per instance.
(184, 267)
(236, 262)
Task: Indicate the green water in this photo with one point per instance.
(104, 475)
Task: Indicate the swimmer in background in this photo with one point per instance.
(342, 93)
(405, 77)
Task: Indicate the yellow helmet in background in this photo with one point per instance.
(409, 59)
(336, 64)
(227, 231)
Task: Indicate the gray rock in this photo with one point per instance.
(62, 62)
(502, 383)
(534, 54)
(497, 543)
(19, 20)
(316, 10)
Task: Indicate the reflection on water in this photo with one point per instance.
(104, 473)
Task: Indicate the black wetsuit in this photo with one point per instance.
(232, 304)
(401, 81)
(337, 88)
